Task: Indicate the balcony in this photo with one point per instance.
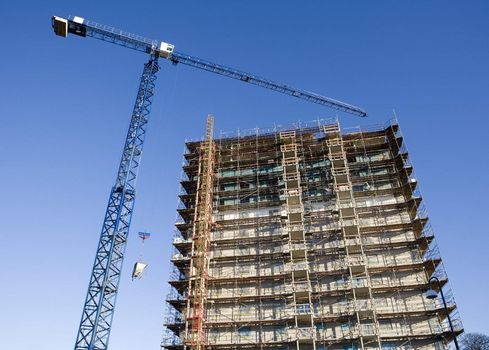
(356, 263)
(343, 192)
(364, 308)
(299, 269)
(350, 227)
(367, 330)
(292, 181)
(297, 250)
(338, 161)
(340, 175)
(179, 259)
(181, 240)
(170, 340)
(361, 286)
(296, 231)
(301, 289)
(353, 245)
(335, 146)
(294, 217)
(304, 334)
(303, 312)
(174, 318)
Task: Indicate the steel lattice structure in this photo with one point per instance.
(100, 301)
(99, 305)
(82, 27)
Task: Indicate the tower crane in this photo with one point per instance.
(98, 309)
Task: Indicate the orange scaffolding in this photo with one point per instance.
(194, 337)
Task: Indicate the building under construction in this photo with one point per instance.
(304, 237)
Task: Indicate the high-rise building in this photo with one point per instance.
(308, 237)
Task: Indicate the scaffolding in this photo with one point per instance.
(304, 237)
(201, 237)
(296, 244)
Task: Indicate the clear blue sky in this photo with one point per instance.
(66, 104)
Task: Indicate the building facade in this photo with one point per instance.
(308, 237)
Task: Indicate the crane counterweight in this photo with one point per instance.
(60, 26)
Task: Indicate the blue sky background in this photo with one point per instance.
(66, 105)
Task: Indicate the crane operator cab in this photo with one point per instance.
(165, 50)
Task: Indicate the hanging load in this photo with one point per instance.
(137, 271)
(139, 266)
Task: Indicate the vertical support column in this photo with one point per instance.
(362, 303)
(98, 309)
(195, 337)
(296, 249)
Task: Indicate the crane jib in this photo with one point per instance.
(266, 83)
(81, 27)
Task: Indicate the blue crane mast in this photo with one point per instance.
(98, 310)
